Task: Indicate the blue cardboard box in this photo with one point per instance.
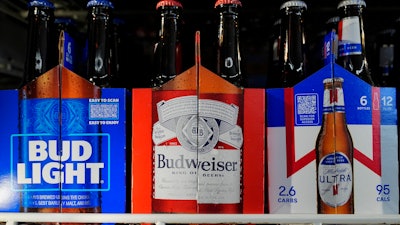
(63, 146)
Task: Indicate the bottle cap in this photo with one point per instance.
(294, 4)
(104, 3)
(40, 3)
(227, 2)
(352, 2)
(163, 3)
(335, 79)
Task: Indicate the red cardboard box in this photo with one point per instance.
(198, 118)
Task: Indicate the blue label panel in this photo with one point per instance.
(349, 49)
(69, 52)
(307, 109)
(52, 154)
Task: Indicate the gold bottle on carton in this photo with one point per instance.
(334, 148)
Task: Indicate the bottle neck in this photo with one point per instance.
(351, 47)
(292, 45)
(333, 98)
(167, 58)
(351, 31)
(99, 46)
(41, 47)
(228, 54)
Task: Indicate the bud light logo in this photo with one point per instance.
(48, 163)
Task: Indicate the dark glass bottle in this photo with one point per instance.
(292, 55)
(396, 56)
(228, 49)
(273, 79)
(167, 59)
(41, 51)
(351, 50)
(117, 44)
(385, 45)
(99, 58)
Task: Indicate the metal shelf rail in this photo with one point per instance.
(161, 219)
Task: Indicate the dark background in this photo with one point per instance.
(139, 31)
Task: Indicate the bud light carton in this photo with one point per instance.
(64, 148)
(294, 119)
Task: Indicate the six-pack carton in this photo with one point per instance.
(294, 119)
(198, 146)
(63, 143)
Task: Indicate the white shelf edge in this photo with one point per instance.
(13, 218)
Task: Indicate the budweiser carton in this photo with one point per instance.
(198, 146)
(301, 177)
(64, 144)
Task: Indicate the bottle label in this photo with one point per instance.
(197, 151)
(335, 179)
(60, 166)
(69, 52)
(333, 100)
(349, 36)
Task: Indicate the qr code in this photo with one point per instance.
(306, 104)
(104, 111)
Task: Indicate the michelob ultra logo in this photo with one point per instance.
(42, 162)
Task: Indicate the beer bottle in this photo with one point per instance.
(167, 53)
(385, 53)
(334, 147)
(99, 31)
(292, 56)
(396, 54)
(352, 52)
(228, 49)
(274, 69)
(41, 51)
(117, 53)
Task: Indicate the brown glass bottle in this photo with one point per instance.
(334, 147)
(167, 59)
(351, 47)
(228, 49)
(99, 42)
(292, 55)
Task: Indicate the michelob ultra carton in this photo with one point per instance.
(63, 142)
(332, 146)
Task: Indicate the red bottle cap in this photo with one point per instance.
(226, 2)
(168, 3)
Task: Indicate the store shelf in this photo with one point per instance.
(159, 219)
